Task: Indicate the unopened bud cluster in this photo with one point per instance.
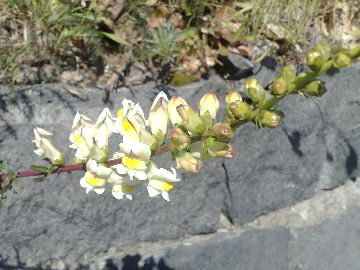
(190, 126)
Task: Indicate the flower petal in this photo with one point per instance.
(152, 191)
(91, 166)
(99, 190)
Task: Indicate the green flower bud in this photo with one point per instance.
(316, 88)
(255, 91)
(342, 60)
(232, 96)
(178, 139)
(191, 120)
(323, 48)
(288, 73)
(240, 109)
(220, 149)
(186, 161)
(183, 111)
(278, 87)
(315, 61)
(270, 119)
(209, 103)
(173, 114)
(222, 131)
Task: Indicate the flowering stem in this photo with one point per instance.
(295, 86)
(82, 167)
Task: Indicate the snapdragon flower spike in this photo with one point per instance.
(158, 116)
(43, 141)
(81, 137)
(135, 157)
(122, 186)
(103, 128)
(161, 181)
(95, 177)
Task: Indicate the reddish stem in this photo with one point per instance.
(78, 167)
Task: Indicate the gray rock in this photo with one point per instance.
(249, 250)
(331, 245)
(234, 66)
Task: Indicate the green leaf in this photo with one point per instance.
(40, 179)
(7, 183)
(181, 79)
(115, 38)
(39, 168)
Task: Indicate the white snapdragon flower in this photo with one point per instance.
(82, 141)
(161, 181)
(158, 116)
(122, 124)
(122, 186)
(103, 128)
(95, 177)
(135, 157)
(43, 141)
(81, 136)
(130, 122)
(80, 121)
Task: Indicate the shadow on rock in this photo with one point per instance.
(19, 265)
(132, 262)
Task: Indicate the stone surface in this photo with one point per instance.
(248, 250)
(314, 149)
(234, 66)
(323, 206)
(331, 245)
(293, 238)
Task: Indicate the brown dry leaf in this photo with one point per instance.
(245, 51)
(224, 14)
(193, 64)
(177, 20)
(158, 17)
(275, 32)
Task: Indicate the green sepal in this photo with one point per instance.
(7, 183)
(38, 168)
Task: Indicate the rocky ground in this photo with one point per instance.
(289, 200)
